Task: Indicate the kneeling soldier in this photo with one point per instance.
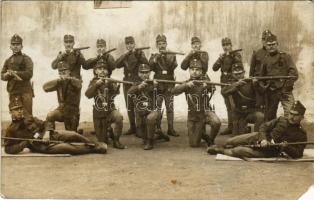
(28, 132)
(147, 114)
(244, 106)
(104, 111)
(272, 139)
(199, 113)
(67, 87)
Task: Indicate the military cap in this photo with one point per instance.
(271, 38)
(63, 66)
(225, 41)
(195, 63)
(237, 68)
(298, 108)
(16, 39)
(161, 38)
(68, 38)
(129, 39)
(195, 39)
(265, 34)
(144, 68)
(101, 42)
(17, 103)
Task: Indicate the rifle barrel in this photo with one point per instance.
(142, 48)
(173, 52)
(16, 76)
(271, 77)
(211, 83)
(111, 50)
(119, 81)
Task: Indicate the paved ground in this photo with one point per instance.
(171, 171)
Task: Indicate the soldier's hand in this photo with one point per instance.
(99, 82)
(284, 144)
(221, 55)
(142, 85)
(190, 84)
(240, 83)
(7, 75)
(264, 143)
(61, 55)
(155, 83)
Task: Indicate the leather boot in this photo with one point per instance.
(117, 144)
(149, 145)
(207, 139)
(173, 133)
(161, 136)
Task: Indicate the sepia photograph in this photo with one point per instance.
(157, 100)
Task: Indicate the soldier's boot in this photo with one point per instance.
(100, 147)
(161, 136)
(207, 139)
(171, 130)
(228, 130)
(117, 144)
(149, 144)
(214, 149)
(80, 131)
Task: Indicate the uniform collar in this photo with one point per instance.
(18, 53)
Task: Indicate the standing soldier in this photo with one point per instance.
(277, 63)
(130, 62)
(145, 103)
(18, 71)
(225, 62)
(104, 110)
(245, 107)
(67, 87)
(256, 66)
(75, 60)
(101, 55)
(196, 53)
(199, 112)
(163, 65)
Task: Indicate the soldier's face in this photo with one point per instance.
(130, 46)
(227, 47)
(64, 73)
(271, 46)
(16, 48)
(68, 45)
(144, 75)
(195, 72)
(17, 114)
(196, 45)
(101, 49)
(161, 45)
(295, 118)
(238, 76)
(101, 72)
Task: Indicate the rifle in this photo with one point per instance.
(198, 51)
(110, 50)
(119, 81)
(49, 141)
(80, 48)
(268, 77)
(232, 52)
(271, 144)
(171, 52)
(210, 83)
(141, 48)
(13, 73)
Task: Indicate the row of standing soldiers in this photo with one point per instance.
(246, 101)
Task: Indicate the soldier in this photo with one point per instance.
(67, 87)
(225, 62)
(101, 50)
(164, 65)
(196, 53)
(18, 71)
(75, 60)
(281, 130)
(245, 108)
(199, 113)
(104, 110)
(278, 63)
(256, 66)
(29, 128)
(130, 62)
(146, 113)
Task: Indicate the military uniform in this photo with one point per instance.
(22, 65)
(130, 62)
(164, 65)
(104, 110)
(245, 107)
(202, 56)
(277, 130)
(199, 112)
(68, 110)
(146, 113)
(107, 58)
(224, 63)
(278, 64)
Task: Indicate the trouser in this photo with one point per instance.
(65, 148)
(240, 151)
(71, 121)
(197, 129)
(168, 98)
(229, 111)
(240, 121)
(25, 99)
(146, 124)
(101, 125)
(129, 101)
(273, 98)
